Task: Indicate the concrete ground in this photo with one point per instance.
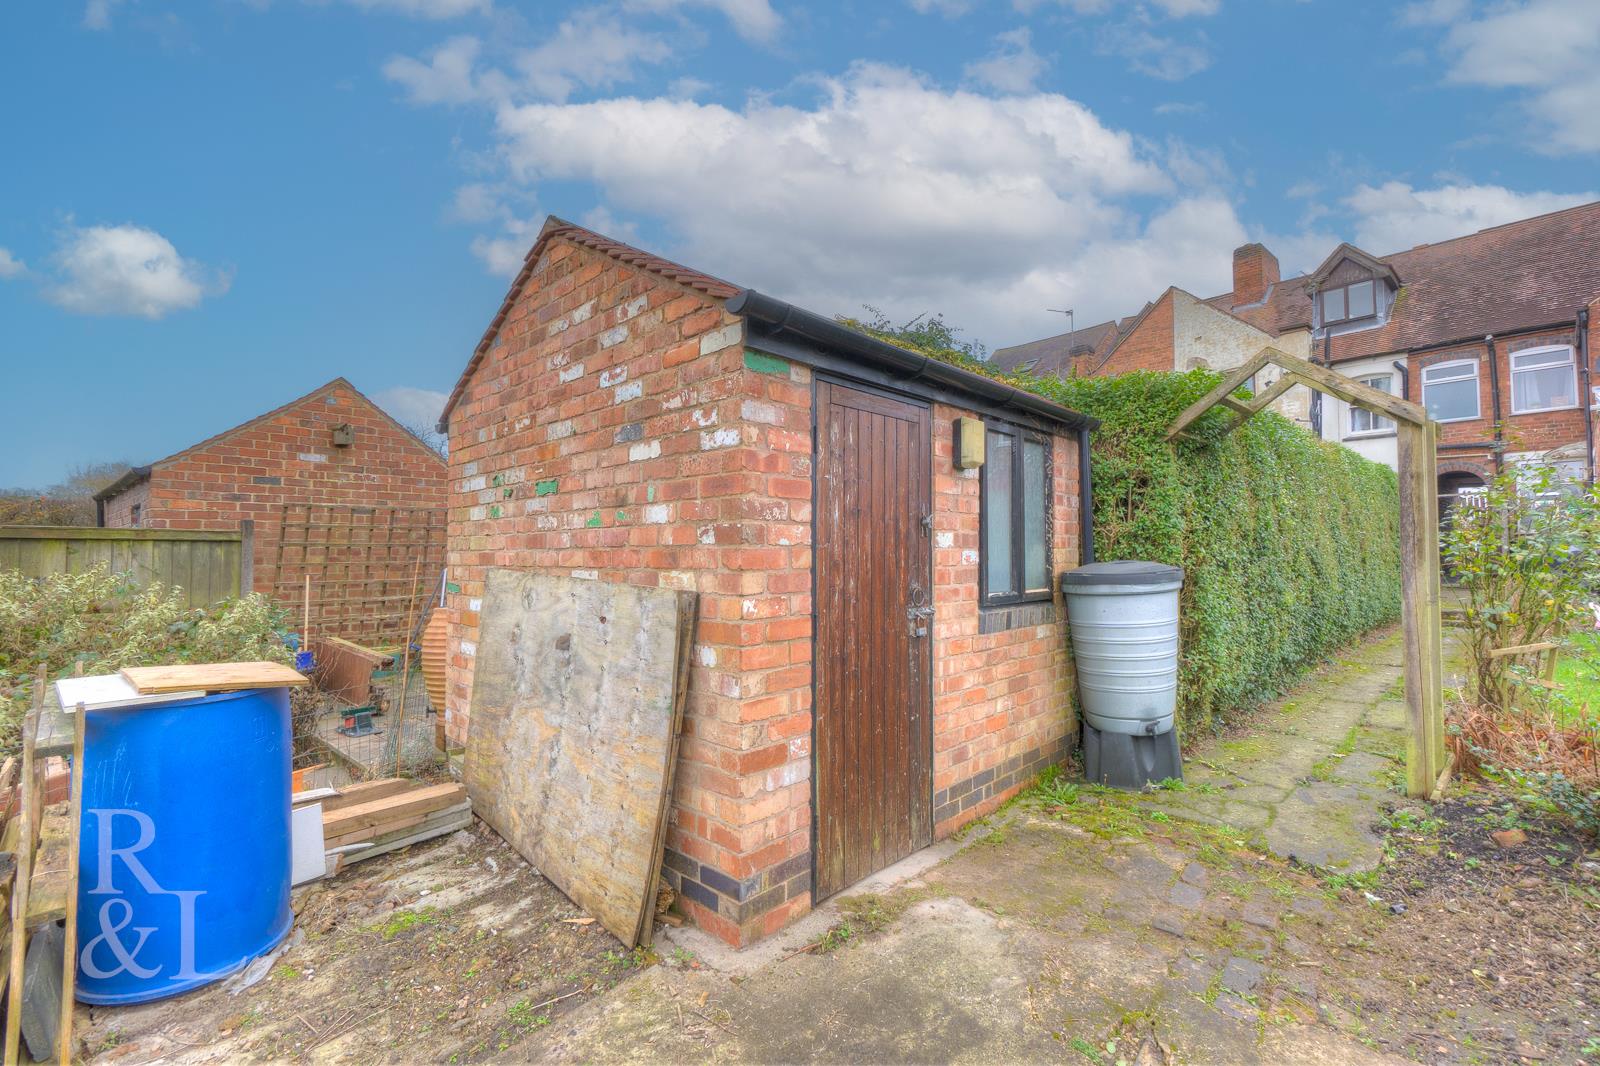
(1078, 925)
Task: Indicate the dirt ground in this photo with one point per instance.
(1077, 926)
(451, 951)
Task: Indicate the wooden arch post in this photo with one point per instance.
(1418, 440)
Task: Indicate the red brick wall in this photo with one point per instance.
(616, 430)
(1148, 347)
(1523, 433)
(1254, 271)
(251, 472)
(118, 510)
(1002, 700)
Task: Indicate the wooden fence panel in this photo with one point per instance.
(207, 565)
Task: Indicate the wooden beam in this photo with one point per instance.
(1419, 595)
(1225, 388)
(1350, 390)
(1260, 402)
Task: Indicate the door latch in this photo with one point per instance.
(918, 613)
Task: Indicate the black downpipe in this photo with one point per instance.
(1586, 397)
(1405, 379)
(1085, 501)
(1494, 396)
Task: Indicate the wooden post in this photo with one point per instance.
(247, 556)
(69, 961)
(1419, 596)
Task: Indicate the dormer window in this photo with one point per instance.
(1349, 303)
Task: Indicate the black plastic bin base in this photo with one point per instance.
(1123, 761)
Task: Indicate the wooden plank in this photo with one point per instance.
(51, 876)
(1524, 649)
(95, 533)
(574, 708)
(401, 826)
(212, 677)
(1230, 383)
(19, 892)
(417, 801)
(69, 960)
(1350, 390)
(366, 792)
(462, 820)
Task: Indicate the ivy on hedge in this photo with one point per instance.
(1289, 544)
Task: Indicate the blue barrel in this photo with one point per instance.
(183, 872)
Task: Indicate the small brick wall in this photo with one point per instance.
(118, 511)
(1149, 346)
(1002, 698)
(251, 472)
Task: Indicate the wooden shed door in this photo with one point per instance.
(874, 631)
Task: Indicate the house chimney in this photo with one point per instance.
(1255, 270)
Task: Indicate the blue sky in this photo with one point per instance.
(213, 207)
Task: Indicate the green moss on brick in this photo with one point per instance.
(594, 520)
(546, 488)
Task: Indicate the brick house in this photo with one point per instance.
(879, 656)
(330, 457)
(1493, 332)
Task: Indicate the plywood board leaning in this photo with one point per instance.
(577, 702)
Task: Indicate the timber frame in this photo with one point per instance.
(1418, 438)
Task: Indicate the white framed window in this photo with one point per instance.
(1450, 390)
(1364, 423)
(1543, 379)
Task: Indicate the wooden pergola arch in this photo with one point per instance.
(1418, 438)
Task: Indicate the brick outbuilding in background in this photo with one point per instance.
(880, 652)
(331, 450)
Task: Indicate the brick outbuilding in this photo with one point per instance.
(331, 460)
(880, 652)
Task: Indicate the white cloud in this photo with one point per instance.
(1394, 216)
(446, 78)
(501, 255)
(754, 20)
(1013, 66)
(1181, 107)
(591, 50)
(1545, 48)
(10, 265)
(873, 194)
(97, 14)
(127, 270)
(1169, 8)
(413, 407)
(1169, 58)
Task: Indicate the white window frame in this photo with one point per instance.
(1477, 391)
(1544, 349)
(1382, 426)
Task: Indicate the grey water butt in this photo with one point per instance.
(1124, 621)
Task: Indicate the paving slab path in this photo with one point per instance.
(1084, 925)
(1313, 774)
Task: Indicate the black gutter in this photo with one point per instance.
(776, 316)
(1085, 501)
(1475, 446)
(1517, 331)
(1494, 396)
(1586, 398)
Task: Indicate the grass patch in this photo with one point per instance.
(408, 920)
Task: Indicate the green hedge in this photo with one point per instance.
(1290, 544)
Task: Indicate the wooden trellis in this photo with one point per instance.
(363, 563)
(1418, 438)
